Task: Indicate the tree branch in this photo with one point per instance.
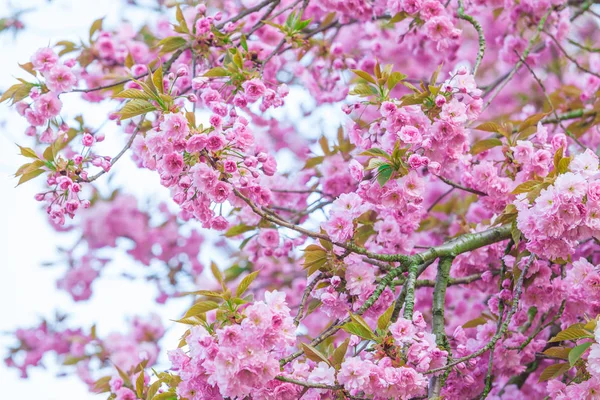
(461, 14)
(515, 303)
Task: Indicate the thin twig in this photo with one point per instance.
(519, 64)
(549, 100)
(461, 187)
(244, 13)
(166, 67)
(309, 288)
(120, 154)
(570, 58)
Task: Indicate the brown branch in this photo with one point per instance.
(166, 67)
(244, 13)
(309, 288)
(461, 187)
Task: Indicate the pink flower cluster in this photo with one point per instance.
(218, 159)
(238, 359)
(565, 212)
(74, 347)
(383, 377)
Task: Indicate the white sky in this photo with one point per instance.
(27, 290)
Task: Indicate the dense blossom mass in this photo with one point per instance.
(407, 191)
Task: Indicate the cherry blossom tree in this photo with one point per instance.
(424, 224)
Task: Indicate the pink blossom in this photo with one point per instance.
(254, 89)
(268, 238)
(339, 227)
(60, 79)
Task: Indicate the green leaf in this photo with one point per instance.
(129, 61)
(17, 92)
(188, 321)
(515, 232)
(557, 157)
(384, 319)
(171, 44)
(314, 257)
(375, 163)
(313, 162)
(375, 152)
(486, 144)
(153, 389)
(157, 79)
(314, 354)
(290, 20)
(401, 16)
(577, 351)
(238, 230)
(181, 19)
(337, 358)
(243, 42)
(216, 272)
(563, 165)
(207, 293)
(531, 121)
(558, 352)
(476, 322)
(384, 174)
(134, 108)
(245, 283)
(201, 308)
(133, 94)
(96, 26)
(489, 127)
(554, 371)
(394, 79)
(139, 384)
(217, 71)
(29, 68)
(29, 176)
(526, 187)
(365, 75)
(363, 90)
(28, 152)
(165, 396)
(436, 73)
(571, 333)
(358, 330)
(123, 376)
(102, 385)
(69, 360)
